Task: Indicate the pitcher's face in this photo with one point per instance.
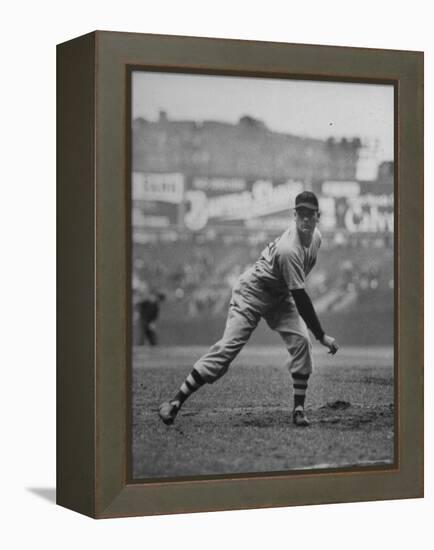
(306, 220)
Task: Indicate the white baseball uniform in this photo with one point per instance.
(264, 291)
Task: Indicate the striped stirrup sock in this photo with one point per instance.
(191, 384)
(300, 388)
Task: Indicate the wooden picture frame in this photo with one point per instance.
(93, 273)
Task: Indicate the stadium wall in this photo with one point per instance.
(350, 329)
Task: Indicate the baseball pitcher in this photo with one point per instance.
(273, 289)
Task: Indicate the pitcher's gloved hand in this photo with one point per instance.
(330, 343)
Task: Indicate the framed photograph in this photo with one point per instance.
(240, 274)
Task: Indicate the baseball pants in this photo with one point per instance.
(250, 303)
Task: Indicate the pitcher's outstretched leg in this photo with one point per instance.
(169, 409)
(214, 364)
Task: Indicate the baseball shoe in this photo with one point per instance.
(168, 411)
(299, 418)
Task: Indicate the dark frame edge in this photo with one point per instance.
(253, 41)
(411, 270)
(420, 62)
(75, 385)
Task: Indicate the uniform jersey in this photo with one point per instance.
(285, 263)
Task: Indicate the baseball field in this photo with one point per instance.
(242, 423)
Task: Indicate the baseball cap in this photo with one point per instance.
(306, 199)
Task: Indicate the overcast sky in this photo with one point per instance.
(304, 108)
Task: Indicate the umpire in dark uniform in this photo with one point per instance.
(149, 310)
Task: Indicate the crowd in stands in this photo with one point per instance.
(198, 279)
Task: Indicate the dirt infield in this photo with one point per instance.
(242, 423)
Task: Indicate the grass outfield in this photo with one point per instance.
(242, 423)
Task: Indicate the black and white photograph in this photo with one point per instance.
(262, 275)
